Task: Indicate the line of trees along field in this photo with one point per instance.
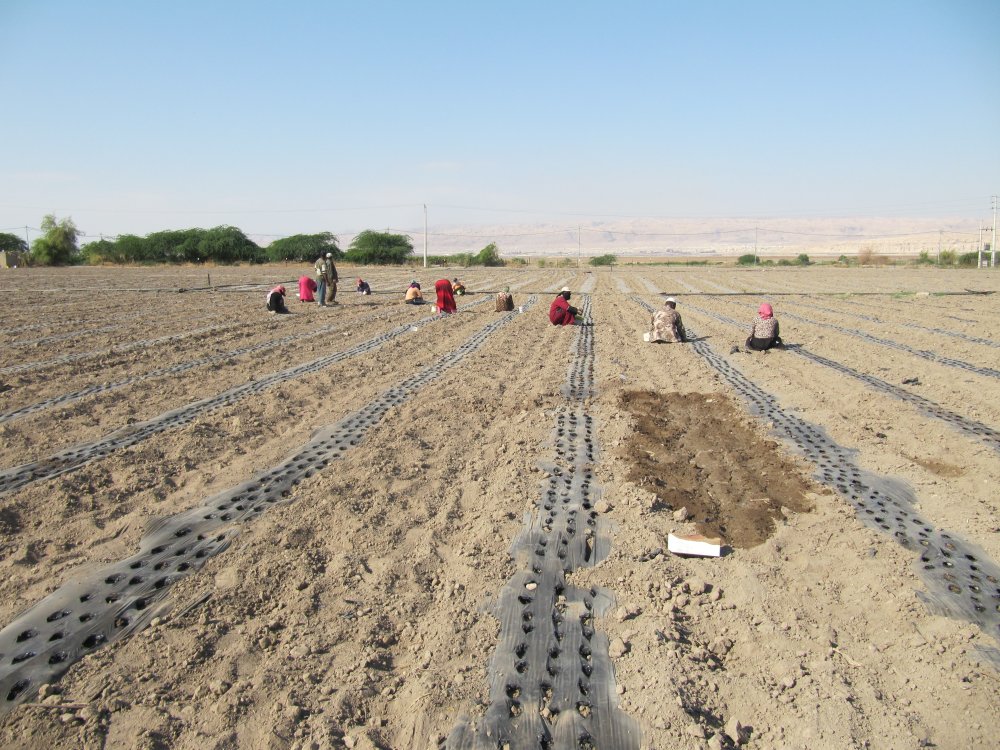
(58, 246)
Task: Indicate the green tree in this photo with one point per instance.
(488, 256)
(803, 260)
(303, 247)
(604, 260)
(11, 243)
(747, 260)
(57, 246)
(379, 248)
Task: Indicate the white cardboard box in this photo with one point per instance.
(695, 544)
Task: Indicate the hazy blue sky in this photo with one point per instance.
(287, 117)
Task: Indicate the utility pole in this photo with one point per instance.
(979, 256)
(26, 237)
(579, 247)
(756, 260)
(425, 235)
(940, 236)
(993, 242)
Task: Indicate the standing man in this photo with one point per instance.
(331, 280)
(322, 273)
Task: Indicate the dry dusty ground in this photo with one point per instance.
(357, 614)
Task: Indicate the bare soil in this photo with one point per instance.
(357, 615)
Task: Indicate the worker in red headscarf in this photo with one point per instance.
(276, 300)
(445, 297)
(562, 313)
(764, 333)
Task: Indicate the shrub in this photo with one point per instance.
(604, 260)
(803, 260)
(948, 258)
(488, 256)
(969, 260)
(750, 259)
(924, 259)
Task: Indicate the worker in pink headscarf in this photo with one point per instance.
(276, 300)
(764, 332)
(306, 289)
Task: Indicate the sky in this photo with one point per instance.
(282, 118)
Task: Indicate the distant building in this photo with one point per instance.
(11, 259)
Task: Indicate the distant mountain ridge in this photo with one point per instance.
(699, 236)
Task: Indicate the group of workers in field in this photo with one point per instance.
(665, 327)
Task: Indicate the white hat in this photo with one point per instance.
(565, 289)
(670, 299)
(329, 255)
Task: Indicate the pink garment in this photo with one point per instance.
(306, 288)
(765, 311)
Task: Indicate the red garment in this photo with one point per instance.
(765, 311)
(306, 288)
(446, 299)
(559, 313)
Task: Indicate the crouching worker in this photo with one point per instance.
(457, 287)
(561, 312)
(413, 295)
(666, 325)
(276, 300)
(445, 297)
(764, 330)
(364, 287)
(306, 289)
(504, 301)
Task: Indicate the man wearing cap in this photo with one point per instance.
(666, 325)
(331, 280)
(322, 274)
(562, 313)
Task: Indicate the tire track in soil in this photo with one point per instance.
(551, 678)
(76, 456)
(96, 609)
(176, 369)
(962, 582)
(928, 355)
(969, 427)
(915, 326)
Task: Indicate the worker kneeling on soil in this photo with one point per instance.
(561, 312)
(505, 300)
(413, 294)
(666, 326)
(764, 330)
(276, 300)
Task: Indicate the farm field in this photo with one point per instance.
(468, 545)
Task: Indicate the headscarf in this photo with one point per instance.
(279, 289)
(445, 296)
(765, 311)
